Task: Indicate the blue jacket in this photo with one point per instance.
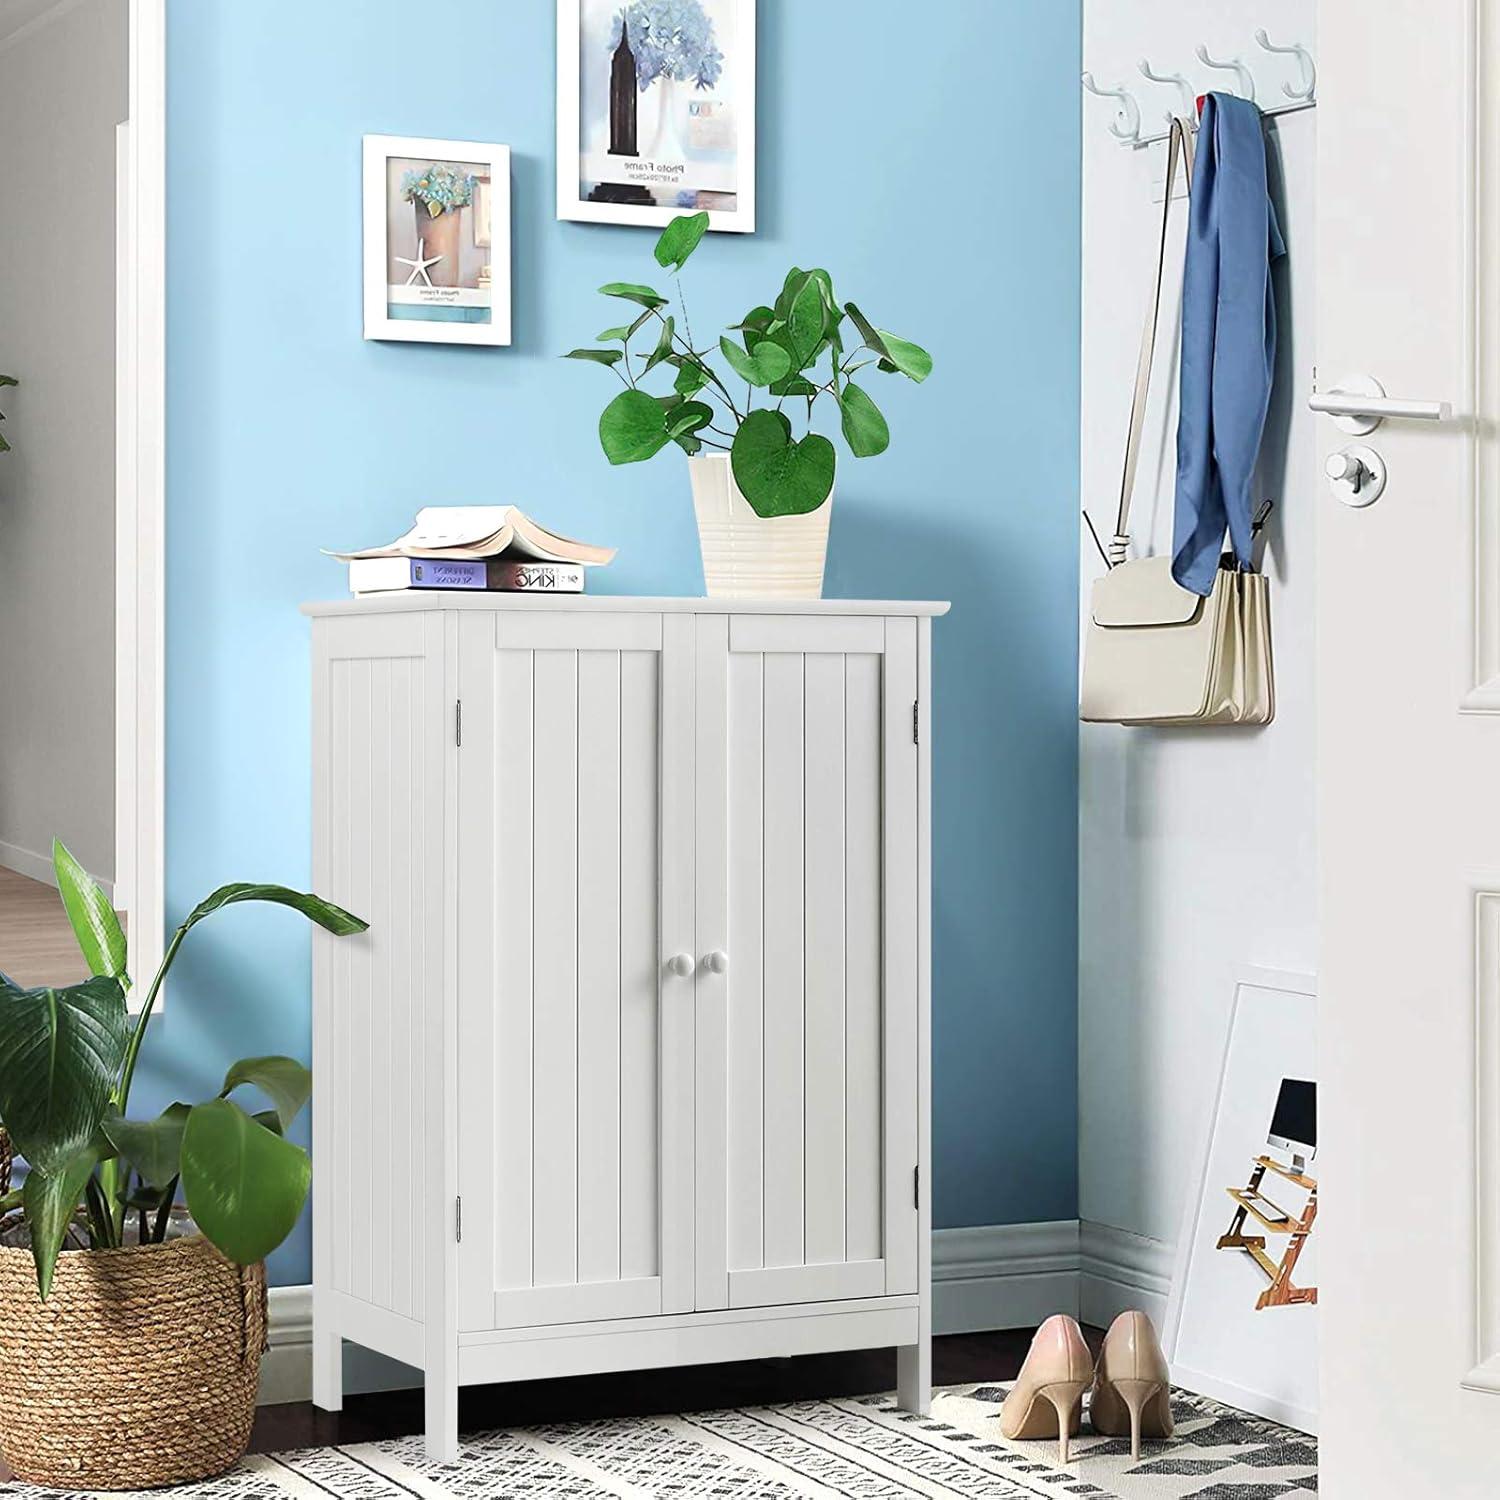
(1228, 340)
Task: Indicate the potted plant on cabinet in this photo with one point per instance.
(130, 1332)
(761, 493)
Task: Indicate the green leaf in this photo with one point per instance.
(691, 378)
(768, 364)
(688, 418)
(60, 1055)
(332, 918)
(795, 280)
(623, 333)
(50, 1199)
(152, 1147)
(643, 296)
(663, 348)
(758, 318)
(806, 323)
(9, 380)
(895, 354)
(283, 1080)
(632, 428)
(597, 356)
(865, 429)
(93, 919)
(777, 476)
(689, 444)
(245, 1185)
(795, 385)
(679, 239)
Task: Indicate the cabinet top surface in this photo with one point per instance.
(422, 603)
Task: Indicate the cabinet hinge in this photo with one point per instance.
(916, 721)
(916, 1187)
(458, 722)
(458, 1220)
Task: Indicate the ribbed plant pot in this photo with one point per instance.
(139, 1370)
(746, 556)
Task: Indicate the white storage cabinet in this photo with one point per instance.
(631, 1068)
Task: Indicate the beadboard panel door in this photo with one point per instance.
(807, 1030)
(379, 851)
(575, 883)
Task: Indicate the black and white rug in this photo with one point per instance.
(848, 1449)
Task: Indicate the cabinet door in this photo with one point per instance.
(575, 1042)
(807, 1044)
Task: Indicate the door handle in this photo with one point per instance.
(1359, 404)
(680, 964)
(716, 962)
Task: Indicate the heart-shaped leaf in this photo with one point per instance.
(679, 239)
(691, 378)
(92, 918)
(689, 417)
(865, 429)
(768, 364)
(629, 291)
(245, 1185)
(806, 323)
(777, 476)
(152, 1147)
(597, 356)
(60, 1056)
(896, 354)
(663, 348)
(632, 428)
(283, 1080)
(796, 279)
(795, 385)
(50, 1199)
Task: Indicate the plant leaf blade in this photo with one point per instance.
(865, 428)
(777, 476)
(679, 239)
(632, 428)
(283, 1080)
(768, 364)
(152, 1147)
(92, 918)
(630, 291)
(50, 1199)
(331, 918)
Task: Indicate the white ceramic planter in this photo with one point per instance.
(746, 556)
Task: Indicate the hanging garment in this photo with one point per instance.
(1228, 341)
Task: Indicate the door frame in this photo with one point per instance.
(140, 490)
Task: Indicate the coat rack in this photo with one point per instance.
(1126, 126)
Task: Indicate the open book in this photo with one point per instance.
(474, 533)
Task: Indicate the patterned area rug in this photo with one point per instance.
(854, 1449)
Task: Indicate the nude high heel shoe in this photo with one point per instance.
(1048, 1394)
(1132, 1385)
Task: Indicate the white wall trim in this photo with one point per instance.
(38, 867)
(993, 1277)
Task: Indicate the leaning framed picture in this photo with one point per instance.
(656, 111)
(437, 240)
(1242, 1321)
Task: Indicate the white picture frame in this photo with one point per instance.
(722, 153)
(1215, 1339)
(457, 305)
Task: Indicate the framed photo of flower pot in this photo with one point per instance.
(656, 111)
(437, 240)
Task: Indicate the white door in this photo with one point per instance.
(807, 911)
(1409, 756)
(575, 868)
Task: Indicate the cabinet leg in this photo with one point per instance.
(328, 1370)
(442, 1421)
(914, 1377)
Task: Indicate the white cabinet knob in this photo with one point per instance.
(716, 962)
(681, 965)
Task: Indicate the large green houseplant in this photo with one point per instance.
(99, 1179)
(794, 358)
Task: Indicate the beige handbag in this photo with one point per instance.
(1154, 652)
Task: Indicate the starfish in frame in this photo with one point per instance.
(419, 265)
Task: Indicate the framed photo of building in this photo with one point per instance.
(656, 111)
(437, 240)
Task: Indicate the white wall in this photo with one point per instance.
(62, 90)
(1196, 846)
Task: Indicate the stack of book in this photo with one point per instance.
(475, 547)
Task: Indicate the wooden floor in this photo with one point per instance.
(956, 1360)
(36, 943)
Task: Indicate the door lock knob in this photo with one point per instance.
(1356, 475)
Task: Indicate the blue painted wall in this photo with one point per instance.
(928, 157)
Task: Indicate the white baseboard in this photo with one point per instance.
(1118, 1270)
(984, 1279)
(38, 867)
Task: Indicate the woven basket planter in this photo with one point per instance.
(140, 1369)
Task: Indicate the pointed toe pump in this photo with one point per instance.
(1047, 1397)
(1132, 1386)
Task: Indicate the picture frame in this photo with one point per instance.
(442, 209)
(1234, 1331)
(684, 142)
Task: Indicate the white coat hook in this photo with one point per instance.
(1305, 63)
(1185, 96)
(1232, 65)
(1126, 125)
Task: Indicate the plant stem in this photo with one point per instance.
(164, 1213)
(699, 360)
(133, 1047)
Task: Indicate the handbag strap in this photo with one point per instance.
(1179, 148)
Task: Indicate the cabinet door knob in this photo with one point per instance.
(681, 965)
(716, 962)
